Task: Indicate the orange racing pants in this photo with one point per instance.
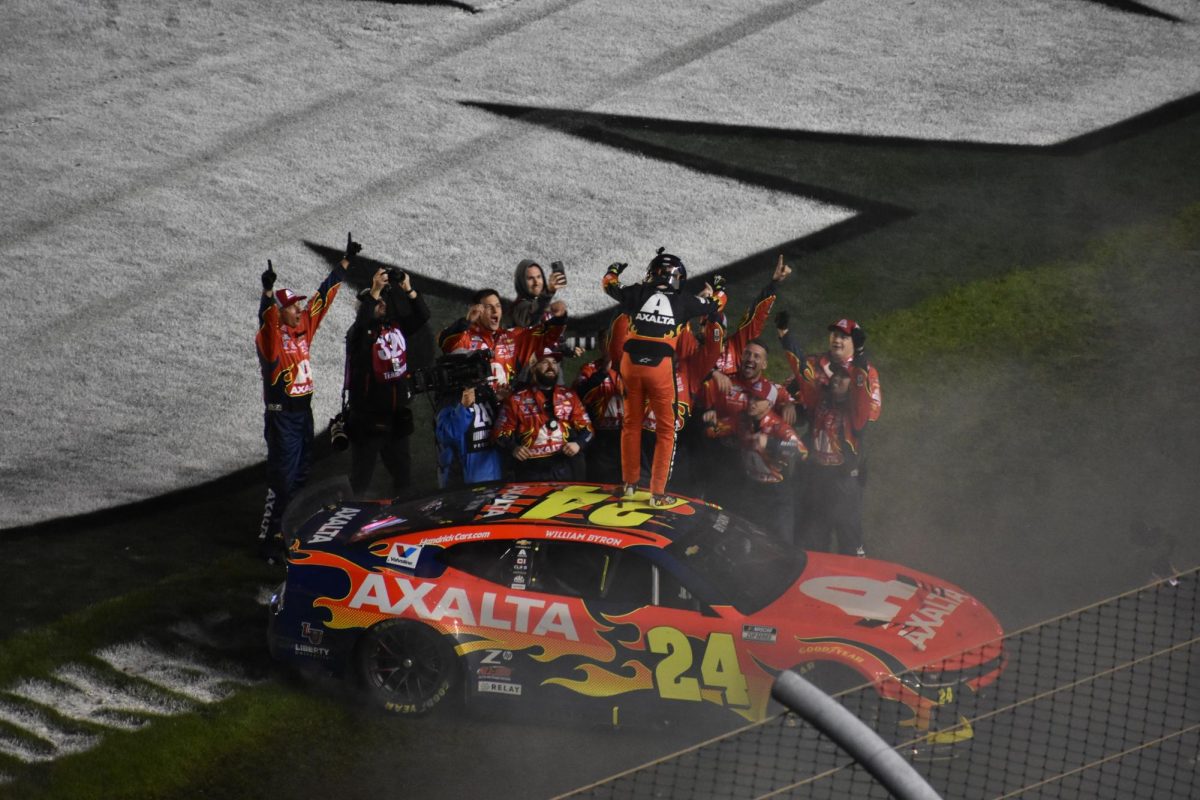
(656, 385)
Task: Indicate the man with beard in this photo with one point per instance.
(600, 387)
(543, 424)
(464, 423)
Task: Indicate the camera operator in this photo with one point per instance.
(463, 434)
(543, 424)
(379, 420)
(464, 424)
(286, 326)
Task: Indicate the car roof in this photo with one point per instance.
(537, 510)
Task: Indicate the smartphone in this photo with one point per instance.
(557, 266)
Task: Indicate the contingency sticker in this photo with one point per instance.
(758, 633)
(404, 555)
(500, 687)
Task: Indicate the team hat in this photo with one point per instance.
(764, 389)
(285, 297)
(846, 326)
(550, 352)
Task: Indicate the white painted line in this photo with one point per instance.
(80, 694)
(56, 742)
(188, 677)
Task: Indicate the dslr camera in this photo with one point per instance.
(338, 437)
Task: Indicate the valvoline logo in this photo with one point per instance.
(404, 555)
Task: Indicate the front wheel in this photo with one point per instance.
(406, 667)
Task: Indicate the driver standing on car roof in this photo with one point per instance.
(286, 326)
(657, 315)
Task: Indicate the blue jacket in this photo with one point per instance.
(465, 449)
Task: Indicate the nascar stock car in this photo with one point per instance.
(507, 593)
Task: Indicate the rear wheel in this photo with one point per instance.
(406, 667)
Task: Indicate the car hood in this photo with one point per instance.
(905, 618)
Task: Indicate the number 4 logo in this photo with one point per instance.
(860, 597)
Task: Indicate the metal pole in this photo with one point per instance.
(854, 736)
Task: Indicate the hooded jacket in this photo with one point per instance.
(529, 310)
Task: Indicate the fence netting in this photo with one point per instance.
(1098, 703)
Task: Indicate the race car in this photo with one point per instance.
(569, 593)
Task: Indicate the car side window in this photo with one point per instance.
(488, 559)
(673, 594)
(592, 572)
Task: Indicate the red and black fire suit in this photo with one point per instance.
(832, 493)
(695, 359)
(544, 421)
(602, 391)
(769, 451)
(749, 328)
(283, 356)
(647, 366)
(466, 451)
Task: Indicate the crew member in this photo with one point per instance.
(751, 325)
(286, 326)
(769, 449)
(602, 391)
(464, 423)
(838, 411)
(544, 424)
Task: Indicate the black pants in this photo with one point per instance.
(831, 507)
(603, 456)
(770, 506)
(392, 450)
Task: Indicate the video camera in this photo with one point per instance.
(454, 372)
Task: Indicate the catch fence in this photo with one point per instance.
(1098, 703)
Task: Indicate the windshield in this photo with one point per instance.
(735, 563)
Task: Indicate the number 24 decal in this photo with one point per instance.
(718, 666)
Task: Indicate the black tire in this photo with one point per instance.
(406, 667)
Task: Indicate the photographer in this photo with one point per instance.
(379, 420)
(286, 326)
(544, 425)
